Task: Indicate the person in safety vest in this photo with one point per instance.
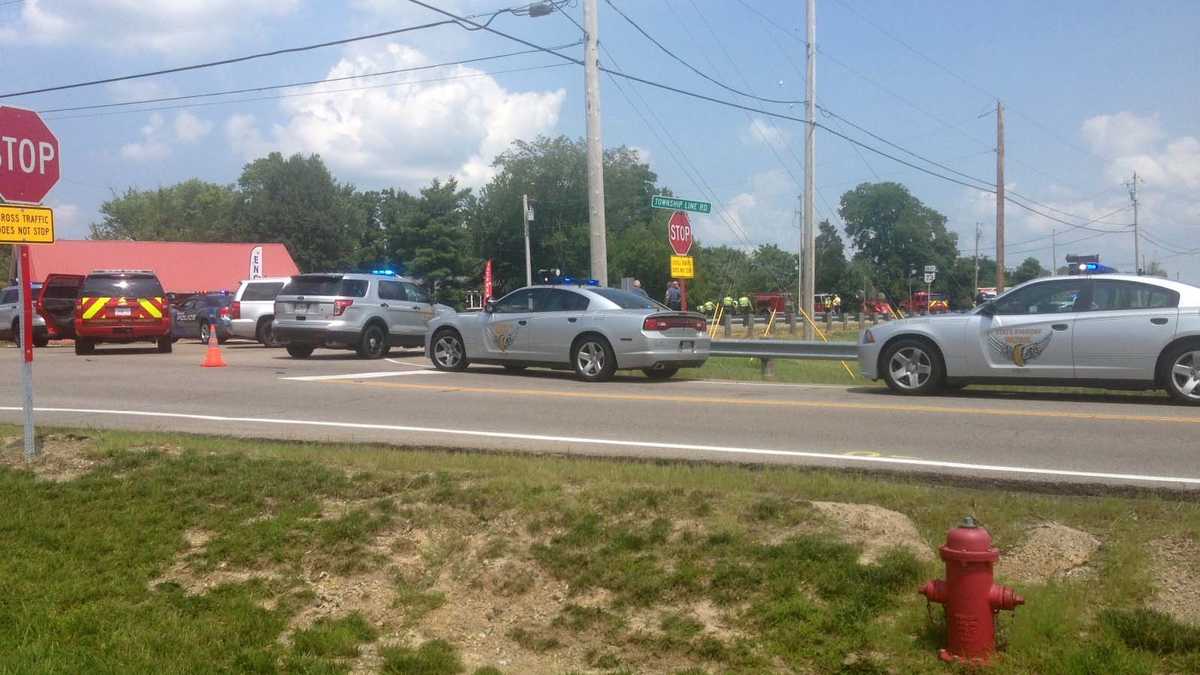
(744, 303)
(709, 307)
(837, 304)
(728, 302)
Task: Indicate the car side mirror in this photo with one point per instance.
(489, 307)
(987, 309)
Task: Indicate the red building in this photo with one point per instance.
(182, 267)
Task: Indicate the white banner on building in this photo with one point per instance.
(256, 263)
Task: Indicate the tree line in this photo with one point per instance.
(444, 233)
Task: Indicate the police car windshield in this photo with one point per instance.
(626, 300)
(108, 285)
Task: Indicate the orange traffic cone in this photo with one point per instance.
(213, 359)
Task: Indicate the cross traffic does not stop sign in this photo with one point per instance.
(29, 157)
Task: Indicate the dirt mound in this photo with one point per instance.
(876, 529)
(1176, 571)
(1049, 551)
(61, 457)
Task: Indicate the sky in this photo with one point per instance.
(1092, 92)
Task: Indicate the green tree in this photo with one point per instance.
(428, 235)
(895, 233)
(553, 172)
(773, 269)
(296, 201)
(1029, 269)
(720, 271)
(193, 210)
(831, 262)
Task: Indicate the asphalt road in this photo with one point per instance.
(336, 397)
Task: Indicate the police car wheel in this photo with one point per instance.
(593, 359)
(204, 331)
(660, 373)
(1182, 376)
(373, 343)
(913, 367)
(165, 345)
(299, 351)
(447, 351)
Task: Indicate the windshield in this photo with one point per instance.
(117, 286)
(626, 300)
(326, 285)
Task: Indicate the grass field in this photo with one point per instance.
(129, 552)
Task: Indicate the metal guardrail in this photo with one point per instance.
(786, 349)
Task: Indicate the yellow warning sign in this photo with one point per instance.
(26, 224)
(683, 267)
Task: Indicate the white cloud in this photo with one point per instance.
(760, 131)
(169, 27)
(761, 215)
(151, 147)
(1124, 133)
(189, 128)
(407, 134)
(67, 221)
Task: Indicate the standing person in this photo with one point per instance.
(637, 288)
(674, 297)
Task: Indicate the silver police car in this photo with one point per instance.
(593, 330)
(1113, 331)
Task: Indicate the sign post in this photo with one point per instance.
(29, 167)
(679, 236)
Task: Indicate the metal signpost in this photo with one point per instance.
(679, 235)
(29, 167)
(930, 275)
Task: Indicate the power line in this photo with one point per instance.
(269, 87)
(222, 62)
(974, 185)
(694, 69)
(1094, 220)
(303, 94)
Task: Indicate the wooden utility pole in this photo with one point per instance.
(978, 231)
(1053, 251)
(598, 230)
(999, 197)
(809, 238)
(1137, 259)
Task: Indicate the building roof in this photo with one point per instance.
(182, 267)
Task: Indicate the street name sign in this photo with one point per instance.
(26, 224)
(672, 204)
(679, 233)
(29, 157)
(683, 267)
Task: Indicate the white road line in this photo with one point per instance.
(410, 365)
(361, 376)
(898, 461)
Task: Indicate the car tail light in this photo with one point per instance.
(235, 310)
(668, 322)
(339, 306)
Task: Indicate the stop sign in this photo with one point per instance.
(28, 156)
(679, 233)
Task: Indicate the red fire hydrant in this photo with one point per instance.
(971, 599)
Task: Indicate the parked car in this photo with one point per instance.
(10, 317)
(253, 309)
(926, 303)
(110, 306)
(595, 331)
(194, 317)
(369, 313)
(1113, 331)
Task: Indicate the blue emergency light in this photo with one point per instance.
(386, 273)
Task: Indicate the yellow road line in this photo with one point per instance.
(816, 405)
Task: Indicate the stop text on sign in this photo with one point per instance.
(679, 233)
(26, 225)
(25, 155)
(30, 157)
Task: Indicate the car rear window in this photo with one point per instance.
(327, 285)
(266, 290)
(61, 291)
(626, 300)
(111, 285)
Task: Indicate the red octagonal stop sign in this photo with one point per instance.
(679, 233)
(28, 156)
